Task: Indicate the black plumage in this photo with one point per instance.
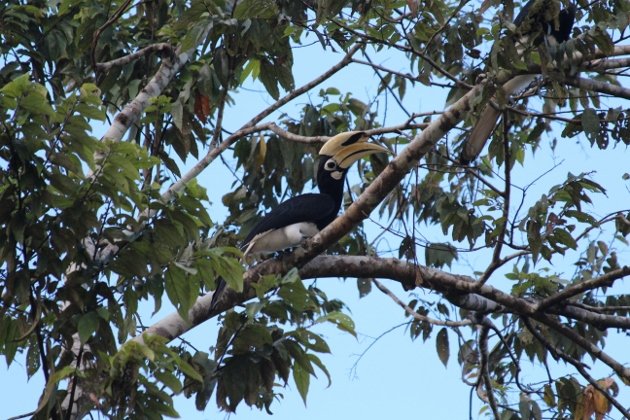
(560, 30)
(318, 208)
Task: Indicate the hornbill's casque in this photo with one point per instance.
(528, 23)
(301, 217)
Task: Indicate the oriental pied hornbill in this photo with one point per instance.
(301, 217)
(535, 26)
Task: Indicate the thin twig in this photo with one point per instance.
(250, 126)
(22, 416)
(459, 7)
(496, 261)
(416, 315)
(97, 34)
(162, 46)
(364, 352)
(73, 390)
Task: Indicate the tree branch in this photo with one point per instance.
(592, 349)
(579, 366)
(594, 85)
(416, 315)
(485, 375)
(454, 286)
(121, 61)
(575, 289)
(600, 321)
(496, 261)
(606, 64)
(160, 80)
(273, 127)
(250, 126)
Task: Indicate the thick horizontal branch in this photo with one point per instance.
(174, 325)
(618, 50)
(453, 286)
(458, 289)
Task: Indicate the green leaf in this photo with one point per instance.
(564, 238)
(269, 78)
(229, 268)
(341, 320)
(302, 380)
(261, 9)
(407, 248)
(52, 383)
(33, 361)
(591, 124)
(251, 68)
(321, 366)
(440, 254)
(17, 86)
(87, 325)
(312, 341)
(365, 286)
(442, 347)
(169, 380)
(182, 290)
(37, 104)
(534, 238)
(299, 356)
(192, 37)
(188, 370)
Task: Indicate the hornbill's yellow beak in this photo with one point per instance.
(346, 148)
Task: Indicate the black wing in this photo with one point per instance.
(320, 209)
(566, 18)
(317, 208)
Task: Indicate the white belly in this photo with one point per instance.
(283, 238)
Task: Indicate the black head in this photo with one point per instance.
(336, 157)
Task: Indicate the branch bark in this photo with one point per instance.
(160, 80)
(593, 350)
(159, 47)
(596, 86)
(575, 289)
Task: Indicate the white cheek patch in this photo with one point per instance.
(336, 175)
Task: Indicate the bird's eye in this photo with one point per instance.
(330, 165)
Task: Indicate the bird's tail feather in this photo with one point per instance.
(479, 134)
(484, 126)
(217, 294)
